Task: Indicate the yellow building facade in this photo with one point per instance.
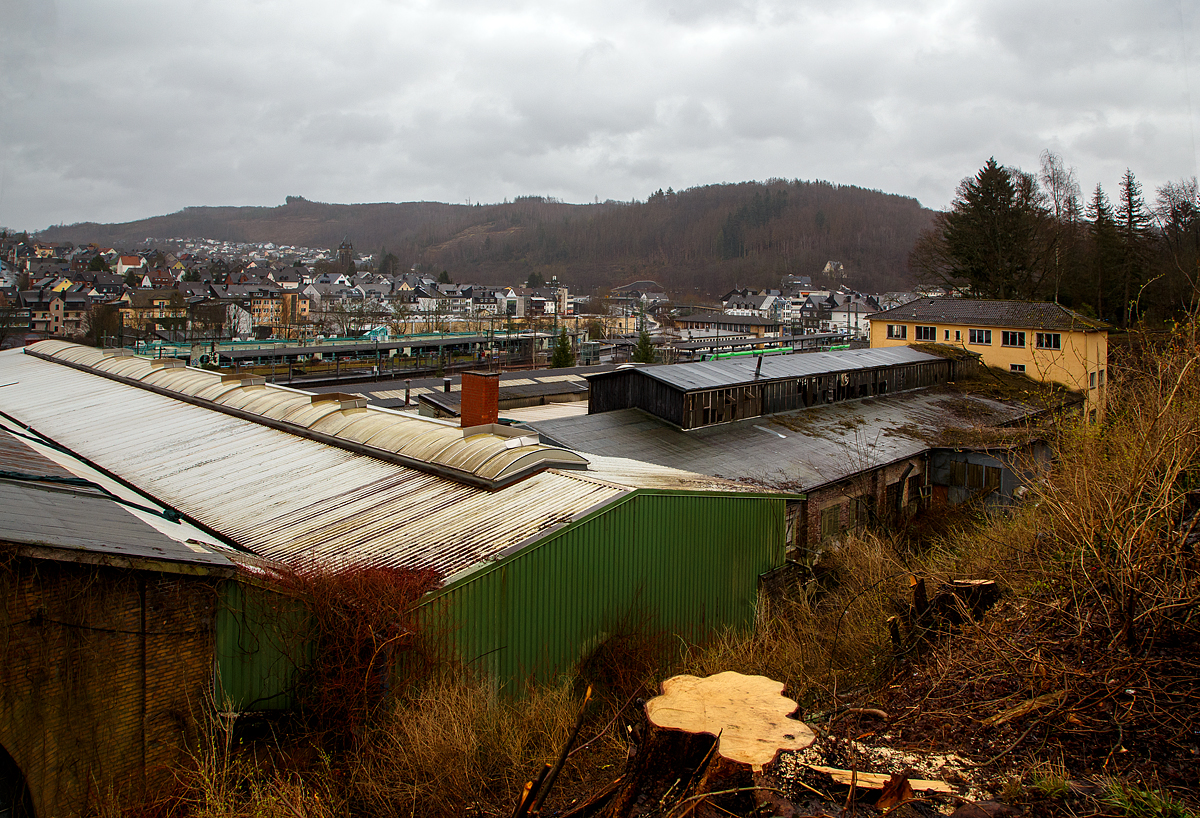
(1044, 341)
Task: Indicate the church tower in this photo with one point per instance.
(345, 256)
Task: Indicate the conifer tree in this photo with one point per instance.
(1105, 245)
(995, 239)
(563, 356)
(1133, 222)
(643, 353)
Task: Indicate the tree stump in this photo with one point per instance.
(710, 740)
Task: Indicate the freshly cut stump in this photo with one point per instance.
(748, 713)
(711, 735)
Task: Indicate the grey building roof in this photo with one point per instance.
(799, 451)
(732, 372)
(988, 313)
(55, 513)
(286, 497)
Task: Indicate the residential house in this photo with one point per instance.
(56, 313)
(1045, 341)
(157, 278)
(849, 311)
(154, 311)
(124, 264)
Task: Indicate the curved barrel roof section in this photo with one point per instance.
(478, 457)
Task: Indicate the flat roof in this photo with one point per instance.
(734, 372)
(796, 451)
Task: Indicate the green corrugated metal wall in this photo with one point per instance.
(683, 563)
(261, 636)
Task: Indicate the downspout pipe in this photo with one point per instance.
(900, 494)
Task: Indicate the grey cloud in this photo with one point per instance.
(126, 108)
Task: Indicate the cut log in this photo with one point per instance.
(877, 781)
(715, 737)
(748, 713)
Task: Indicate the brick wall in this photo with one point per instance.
(101, 670)
(871, 486)
(480, 398)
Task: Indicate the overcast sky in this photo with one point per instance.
(113, 110)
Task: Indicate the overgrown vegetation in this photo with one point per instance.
(1091, 658)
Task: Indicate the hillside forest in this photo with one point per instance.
(697, 243)
(1009, 233)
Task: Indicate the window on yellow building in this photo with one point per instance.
(980, 336)
(897, 332)
(1016, 367)
(1049, 340)
(926, 333)
(1012, 339)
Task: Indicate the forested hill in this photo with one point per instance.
(703, 240)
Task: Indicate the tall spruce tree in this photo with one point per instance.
(1104, 249)
(994, 240)
(1133, 222)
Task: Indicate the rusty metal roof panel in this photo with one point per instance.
(286, 405)
(242, 396)
(360, 425)
(128, 367)
(183, 380)
(286, 497)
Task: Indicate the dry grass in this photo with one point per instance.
(455, 750)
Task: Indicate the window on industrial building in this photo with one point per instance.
(914, 489)
(831, 521)
(926, 333)
(980, 336)
(1012, 339)
(892, 496)
(974, 475)
(1049, 340)
(897, 332)
(860, 511)
(958, 473)
(1016, 367)
(991, 477)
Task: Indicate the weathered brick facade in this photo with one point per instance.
(101, 672)
(874, 493)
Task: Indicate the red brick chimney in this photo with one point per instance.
(480, 398)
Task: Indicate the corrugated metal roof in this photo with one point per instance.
(80, 519)
(734, 372)
(285, 497)
(419, 442)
